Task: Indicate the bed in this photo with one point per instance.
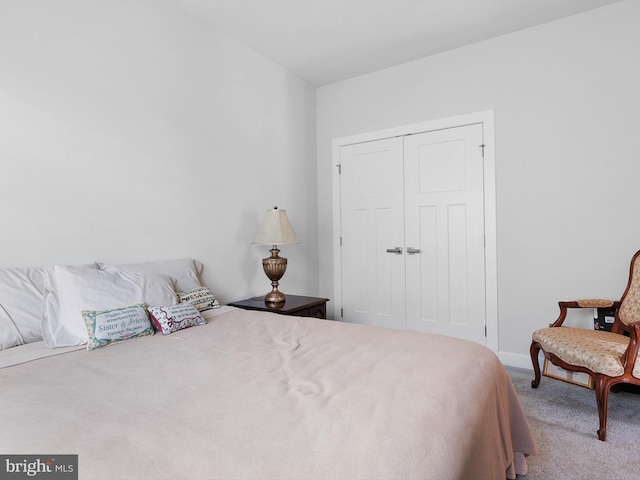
(255, 395)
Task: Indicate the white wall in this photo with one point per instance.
(131, 130)
(567, 110)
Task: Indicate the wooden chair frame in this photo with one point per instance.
(603, 383)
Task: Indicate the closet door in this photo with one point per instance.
(372, 222)
(412, 229)
(444, 212)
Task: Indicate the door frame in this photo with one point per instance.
(486, 118)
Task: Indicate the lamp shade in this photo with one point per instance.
(276, 229)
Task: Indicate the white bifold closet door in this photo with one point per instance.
(412, 227)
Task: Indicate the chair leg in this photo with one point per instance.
(534, 350)
(603, 385)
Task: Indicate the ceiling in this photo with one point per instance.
(324, 41)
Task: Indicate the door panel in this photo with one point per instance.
(458, 261)
(372, 222)
(445, 281)
(428, 264)
(441, 167)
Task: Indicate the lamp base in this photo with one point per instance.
(274, 267)
(274, 298)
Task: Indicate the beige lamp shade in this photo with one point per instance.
(276, 229)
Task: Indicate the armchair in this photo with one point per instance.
(610, 358)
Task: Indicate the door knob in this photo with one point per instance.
(412, 251)
(397, 250)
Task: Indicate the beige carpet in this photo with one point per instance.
(564, 420)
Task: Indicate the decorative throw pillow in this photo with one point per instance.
(117, 324)
(202, 298)
(175, 317)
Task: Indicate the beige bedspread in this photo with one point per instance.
(254, 395)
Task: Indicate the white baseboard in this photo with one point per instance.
(516, 360)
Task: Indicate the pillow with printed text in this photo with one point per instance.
(172, 318)
(202, 298)
(115, 325)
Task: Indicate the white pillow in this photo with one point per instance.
(21, 291)
(70, 290)
(21, 295)
(9, 334)
(186, 271)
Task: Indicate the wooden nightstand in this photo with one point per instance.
(293, 305)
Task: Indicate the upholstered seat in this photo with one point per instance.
(597, 350)
(610, 358)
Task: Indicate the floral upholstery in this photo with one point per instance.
(595, 303)
(629, 311)
(597, 350)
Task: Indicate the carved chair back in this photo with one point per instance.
(629, 311)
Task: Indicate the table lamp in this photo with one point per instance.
(275, 230)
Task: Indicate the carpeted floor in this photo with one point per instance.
(564, 420)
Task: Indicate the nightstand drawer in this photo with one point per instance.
(318, 311)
